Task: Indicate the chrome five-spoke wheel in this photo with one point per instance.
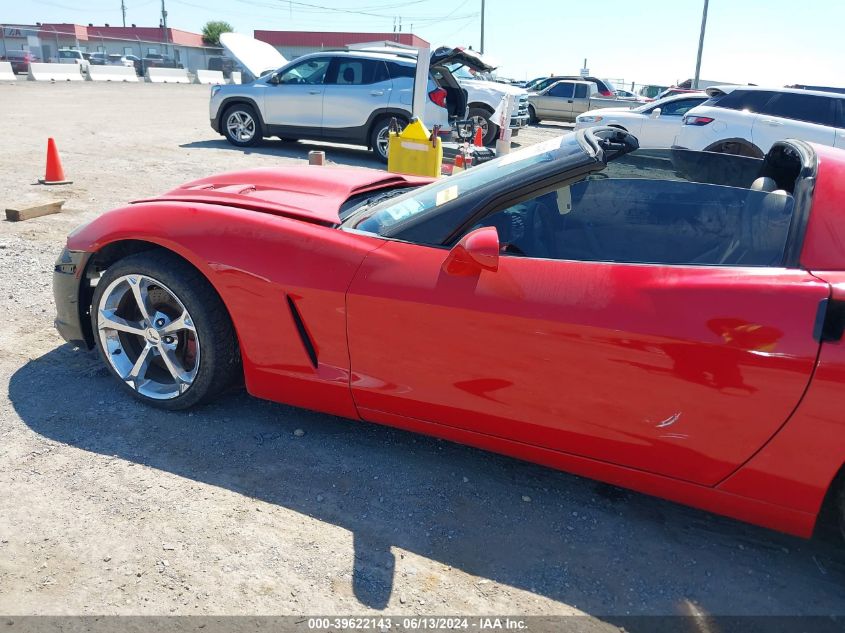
(148, 337)
(241, 126)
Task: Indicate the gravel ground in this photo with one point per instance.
(248, 507)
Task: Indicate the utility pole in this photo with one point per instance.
(123, 11)
(482, 27)
(164, 25)
(700, 46)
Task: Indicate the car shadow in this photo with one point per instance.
(607, 551)
(337, 154)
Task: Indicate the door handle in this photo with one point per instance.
(773, 122)
(377, 93)
(570, 101)
(314, 92)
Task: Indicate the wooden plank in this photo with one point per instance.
(27, 213)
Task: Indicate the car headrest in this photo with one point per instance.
(764, 183)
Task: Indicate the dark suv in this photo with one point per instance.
(605, 88)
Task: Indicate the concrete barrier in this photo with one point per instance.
(235, 77)
(6, 72)
(112, 73)
(210, 77)
(167, 75)
(39, 71)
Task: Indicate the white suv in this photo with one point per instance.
(348, 96)
(748, 120)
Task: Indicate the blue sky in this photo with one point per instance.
(772, 42)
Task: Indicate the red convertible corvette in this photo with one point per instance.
(664, 320)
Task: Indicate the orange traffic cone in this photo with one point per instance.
(55, 174)
(479, 138)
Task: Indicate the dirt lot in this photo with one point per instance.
(108, 507)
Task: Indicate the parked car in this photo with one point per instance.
(20, 60)
(484, 96)
(127, 61)
(748, 120)
(670, 92)
(565, 100)
(224, 64)
(603, 87)
(529, 85)
(670, 322)
(655, 124)
(339, 96)
(156, 60)
(70, 56)
(626, 95)
(98, 59)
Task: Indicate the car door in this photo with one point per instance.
(294, 97)
(578, 342)
(581, 99)
(803, 116)
(661, 131)
(556, 101)
(357, 87)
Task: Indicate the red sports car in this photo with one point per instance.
(664, 320)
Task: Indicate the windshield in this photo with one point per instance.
(379, 217)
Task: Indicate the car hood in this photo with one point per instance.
(256, 56)
(304, 192)
(604, 111)
(493, 86)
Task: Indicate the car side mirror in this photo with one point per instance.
(273, 79)
(655, 113)
(478, 250)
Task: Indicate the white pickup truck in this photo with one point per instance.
(565, 100)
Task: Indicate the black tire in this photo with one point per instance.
(380, 128)
(244, 110)
(492, 131)
(219, 360)
(532, 115)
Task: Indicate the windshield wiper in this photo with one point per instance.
(381, 197)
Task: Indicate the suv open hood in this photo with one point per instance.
(258, 57)
(469, 58)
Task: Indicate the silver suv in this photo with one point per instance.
(339, 96)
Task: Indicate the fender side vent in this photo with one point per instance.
(307, 343)
(830, 321)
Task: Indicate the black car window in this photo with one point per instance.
(311, 71)
(802, 107)
(748, 100)
(545, 83)
(360, 72)
(581, 91)
(563, 89)
(679, 107)
(398, 71)
(632, 220)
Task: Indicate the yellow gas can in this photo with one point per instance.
(414, 151)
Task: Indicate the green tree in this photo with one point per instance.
(212, 30)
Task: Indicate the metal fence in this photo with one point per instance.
(45, 42)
